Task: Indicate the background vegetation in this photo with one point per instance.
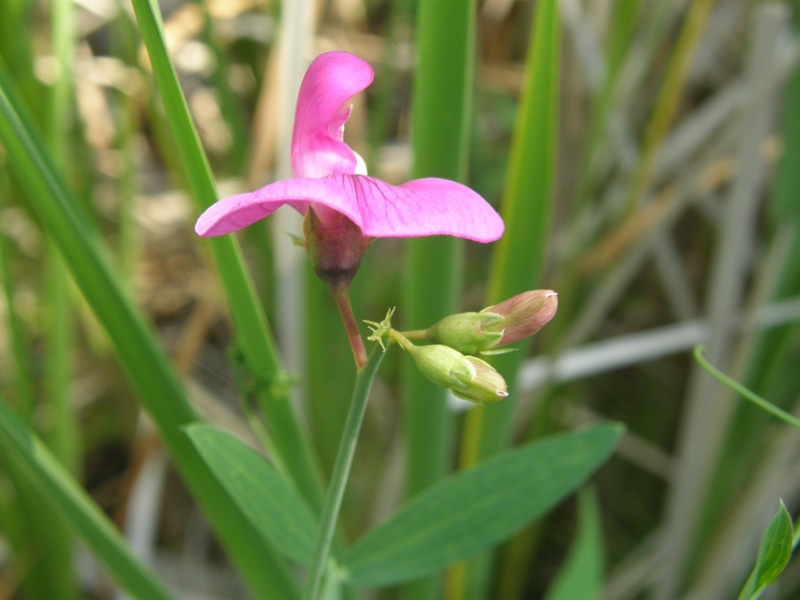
(646, 158)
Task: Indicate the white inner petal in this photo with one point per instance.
(361, 166)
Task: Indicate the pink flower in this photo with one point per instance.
(328, 181)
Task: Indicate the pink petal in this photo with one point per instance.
(317, 147)
(425, 207)
(235, 213)
(418, 208)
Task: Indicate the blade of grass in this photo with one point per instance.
(526, 211)
(774, 357)
(52, 564)
(159, 390)
(23, 373)
(442, 105)
(708, 413)
(668, 98)
(252, 332)
(16, 52)
(582, 573)
(623, 24)
(46, 541)
(785, 213)
(61, 432)
(66, 498)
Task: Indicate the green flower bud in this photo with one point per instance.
(469, 378)
(465, 332)
(487, 386)
(442, 365)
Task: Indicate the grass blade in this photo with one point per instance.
(525, 209)
(252, 332)
(582, 574)
(442, 104)
(43, 471)
(159, 390)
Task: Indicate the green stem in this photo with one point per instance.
(341, 471)
(400, 339)
(743, 391)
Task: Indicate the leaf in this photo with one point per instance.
(774, 555)
(776, 548)
(582, 575)
(475, 509)
(262, 494)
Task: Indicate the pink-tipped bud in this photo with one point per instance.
(511, 320)
(523, 315)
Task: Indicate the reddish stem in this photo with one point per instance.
(341, 293)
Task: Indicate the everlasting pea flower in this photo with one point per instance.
(343, 207)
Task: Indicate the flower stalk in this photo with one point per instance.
(340, 475)
(341, 294)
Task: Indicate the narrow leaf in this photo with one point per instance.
(475, 509)
(582, 575)
(263, 495)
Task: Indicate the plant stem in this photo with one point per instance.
(743, 391)
(342, 295)
(400, 339)
(341, 471)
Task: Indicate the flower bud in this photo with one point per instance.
(442, 365)
(523, 315)
(469, 378)
(480, 333)
(466, 332)
(487, 386)
(335, 246)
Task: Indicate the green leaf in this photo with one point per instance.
(582, 575)
(776, 548)
(263, 495)
(774, 555)
(475, 509)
